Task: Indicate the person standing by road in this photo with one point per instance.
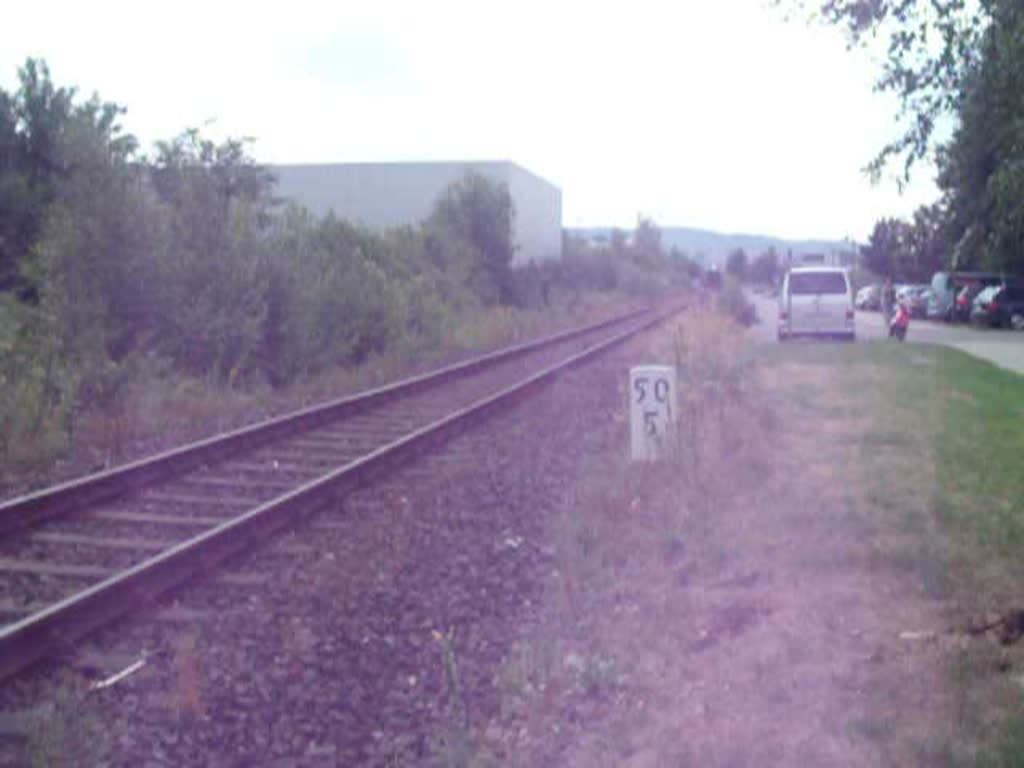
(886, 300)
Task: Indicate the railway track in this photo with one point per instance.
(79, 555)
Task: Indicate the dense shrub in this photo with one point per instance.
(116, 267)
(733, 301)
(639, 268)
(109, 258)
(480, 214)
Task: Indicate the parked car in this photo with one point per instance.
(1001, 306)
(981, 305)
(816, 301)
(868, 297)
(946, 287)
(961, 312)
(916, 298)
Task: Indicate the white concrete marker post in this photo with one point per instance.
(652, 410)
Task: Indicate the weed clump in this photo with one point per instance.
(65, 730)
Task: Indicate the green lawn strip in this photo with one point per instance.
(971, 410)
(981, 453)
(980, 505)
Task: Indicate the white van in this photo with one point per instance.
(816, 301)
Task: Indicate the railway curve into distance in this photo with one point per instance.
(79, 555)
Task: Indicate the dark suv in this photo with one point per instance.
(999, 306)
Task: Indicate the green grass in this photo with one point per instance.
(943, 418)
(873, 729)
(1008, 753)
(970, 412)
(981, 453)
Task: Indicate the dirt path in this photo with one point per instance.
(753, 620)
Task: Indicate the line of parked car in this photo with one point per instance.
(915, 296)
(976, 297)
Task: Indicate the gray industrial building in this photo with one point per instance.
(383, 195)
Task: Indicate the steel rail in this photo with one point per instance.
(23, 511)
(53, 629)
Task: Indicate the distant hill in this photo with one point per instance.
(713, 247)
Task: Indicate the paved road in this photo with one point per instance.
(1004, 348)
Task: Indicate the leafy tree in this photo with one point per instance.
(982, 168)
(647, 248)
(31, 122)
(684, 262)
(574, 243)
(481, 213)
(966, 60)
(584, 267)
(45, 140)
(336, 293)
(216, 205)
(909, 251)
(115, 265)
(929, 243)
(736, 264)
(765, 267)
(885, 247)
(931, 45)
(201, 182)
(69, 246)
(617, 242)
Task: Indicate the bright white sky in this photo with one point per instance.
(707, 113)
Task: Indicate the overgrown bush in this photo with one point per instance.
(37, 384)
(480, 214)
(639, 268)
(118, 268)
(733, 302)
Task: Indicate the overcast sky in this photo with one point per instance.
(706, 113)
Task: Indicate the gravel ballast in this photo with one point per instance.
(339, 643)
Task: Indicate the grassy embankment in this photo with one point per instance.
(163, 407)
(941, 448)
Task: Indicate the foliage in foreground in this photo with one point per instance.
(119, 270)
(949, 59)
(909, 251)
(636, 266)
